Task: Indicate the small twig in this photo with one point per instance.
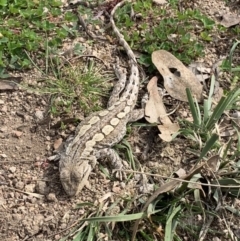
(81, 56)
(17, 161)
(90, 56)
(84, 25)
(27, 193)
(178, 179)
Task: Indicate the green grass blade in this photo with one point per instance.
(118, 218)
(171, 225)
(208, 146)
(91, 232)
(194, 108)
(223, 105)
(231, 53)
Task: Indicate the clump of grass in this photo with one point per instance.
(32, 26)
(156, 29)
(80, 87)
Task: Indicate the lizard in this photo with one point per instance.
(95, 136)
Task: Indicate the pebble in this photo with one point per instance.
(39, 114)
(19, 185)
(2, 201)
(57, 143)
(17, 133)
(42, 188)
(4, 109)
(51, 197)
(30, 188)
(11, 194)
(12, 169)
(16, 217)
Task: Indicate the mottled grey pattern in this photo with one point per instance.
(101, 130)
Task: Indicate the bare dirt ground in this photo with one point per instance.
(33, 205)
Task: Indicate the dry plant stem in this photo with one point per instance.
(18, 161)
(27, 193)
(164, 188)
(84, 25)
(181, 180)
(82, 56)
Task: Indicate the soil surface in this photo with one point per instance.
(33, 204)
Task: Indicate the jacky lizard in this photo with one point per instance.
(95, 135)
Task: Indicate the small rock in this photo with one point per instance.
(19, 185)
(42, 188)
(1, 102)
(17, 133)
(2, 201)
(11, 195)
(32, 200)
(57, 143)
(57, 237)
(17, 148)
(51, 197)
(39, 115)
(3, 129)
(48, 138)
(48, 218)
(3, 155)
(4, 109)
(17, 217)
(30, 188)
(12, 169)
(43, 102)
(27, 117)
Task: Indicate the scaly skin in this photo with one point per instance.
(95, 136)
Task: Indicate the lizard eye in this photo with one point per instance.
(64, 175)
(76, 176)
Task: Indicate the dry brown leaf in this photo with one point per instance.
(180, 172)
(154, 107)
(167, 131)
(176, 76)
(160, 2)
(228, 20)
(10, 83)
(155, 112)
(200, 71)
(213, 163)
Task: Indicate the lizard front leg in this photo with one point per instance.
(115, 160)
(136, 115)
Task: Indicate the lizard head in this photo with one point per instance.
(74, 178)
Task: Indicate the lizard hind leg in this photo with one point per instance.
(136, 115)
